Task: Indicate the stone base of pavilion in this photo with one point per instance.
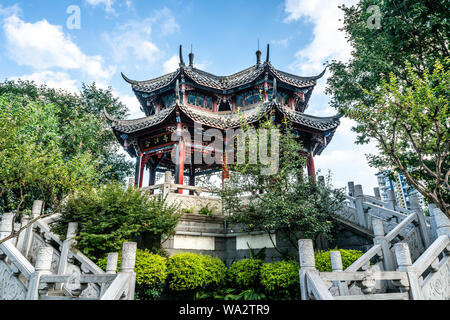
(210, 234)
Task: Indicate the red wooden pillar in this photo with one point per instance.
(225, 168)
(310, 165)
(141, 173)
(179, 168)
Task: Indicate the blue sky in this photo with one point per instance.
(141, 39)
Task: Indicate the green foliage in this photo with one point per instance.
(244, 273)
(283, 201)
(323, 260)
(78, 123)
(281, 279)
(33, 163)
(151, 273)
(205, 210)
(187, 210)
(189, 271)
(395, 86)
(110, 215)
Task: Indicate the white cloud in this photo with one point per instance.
(135, 39)
(133, 105)
(57, 80)
(171, 65)
(345, 159)
(108, 4)
(328, 42)
(42, 45)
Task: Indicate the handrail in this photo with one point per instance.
(385, 210)
(364, 259)
(433, 251)
(17, 259)
(91, 266)
(360, 276)
(398, 228)
(317, 286)
(117, 287)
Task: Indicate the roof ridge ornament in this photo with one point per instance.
(268, 53)
(191, 58)
(181, 56)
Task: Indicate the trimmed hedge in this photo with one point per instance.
(323, 260)
(151, 273)
(244, 273)
(281, 278)
(189, 271)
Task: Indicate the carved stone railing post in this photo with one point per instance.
(28, 238)
(127, 266)
(423, 228)
(390, 202)
(70, 239)
(351, 188)
(111, 263)
(43, 266)
(376, 192)
(167, 183)
(442, 222)
(111, 268)
(6, 225)
(404, 262)
(307, 263)
(359, 200)
(378, 231)
(336, 266)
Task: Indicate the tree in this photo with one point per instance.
(32, 164)
(410, 30)
(409, 47)
(109, 215)
(411, 126)
(285, 201)
(79, 122)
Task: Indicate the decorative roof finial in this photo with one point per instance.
(268, 53)
(258, 56)
(191, 58)
(181, 56)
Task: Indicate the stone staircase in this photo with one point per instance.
(37, 265)
(409, 258)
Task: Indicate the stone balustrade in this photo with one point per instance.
(59, 271)
(426, 278)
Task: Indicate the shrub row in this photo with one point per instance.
(194, 273)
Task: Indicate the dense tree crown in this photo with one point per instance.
(53, 142)
(396, 87)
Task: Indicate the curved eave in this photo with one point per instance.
(136, 125)
(224, 83)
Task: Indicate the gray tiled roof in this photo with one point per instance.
(223, 82)
(225, 120)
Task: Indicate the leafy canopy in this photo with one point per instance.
(109, 215)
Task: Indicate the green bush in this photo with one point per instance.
(323, 260)
(190, 271)
(244, 273)
(281, 279)
(110, 215)
(151, 274)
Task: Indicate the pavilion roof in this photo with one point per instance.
(226, 119)
(223, 82)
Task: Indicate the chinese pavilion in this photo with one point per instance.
(180, 99)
